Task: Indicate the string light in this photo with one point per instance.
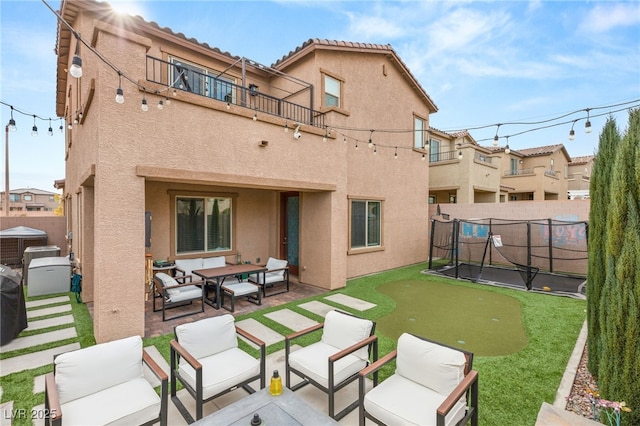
(495, 138)
(587, 125)
(50, 128)
(572, 133)
(34, 129)
(371, 141)
(12, 122)
(507, 150)
(119, 91)
(144, 105)
(76, 63)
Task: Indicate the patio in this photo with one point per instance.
(154, 326)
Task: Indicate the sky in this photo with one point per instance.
(483, 63)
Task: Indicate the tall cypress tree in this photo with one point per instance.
(599, 195)
(619, 370)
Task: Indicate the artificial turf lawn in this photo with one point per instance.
(485, 323)
(512, 387)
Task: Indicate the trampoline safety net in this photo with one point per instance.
(545, 254)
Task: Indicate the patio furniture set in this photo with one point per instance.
(433, 384)
(176, 286)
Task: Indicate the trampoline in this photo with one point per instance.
(543, 255)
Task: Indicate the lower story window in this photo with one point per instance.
(203, 224)
(366, 221)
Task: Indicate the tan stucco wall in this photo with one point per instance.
(123, 162)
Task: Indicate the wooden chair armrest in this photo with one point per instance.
(457, 393)
(250, 336)
(303, 332)
(182, 271)
(372, 368)
(184, 278)
(53, 399)
(154, 367)
(186, 355)
(352, 348)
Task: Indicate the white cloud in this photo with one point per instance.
(606, 16)
(373, 27)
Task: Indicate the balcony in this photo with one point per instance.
(185, 78)
(518, 172)
(437, 157)
(482, 158)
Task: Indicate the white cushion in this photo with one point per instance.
(208, 336)
(188, 292)
(213, 262)
(429, 364)
(169, 281)
(342, 331)
(87, 371)
(241, 289)
(312, 361)
(114, 406)
(273, 263)
(222, 371)
(400, 401)
(189, 265)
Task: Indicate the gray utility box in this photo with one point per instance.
(35, 252)
(49, 275)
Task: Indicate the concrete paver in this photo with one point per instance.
(352, 302)
(49, 301)
(39, 339)
(49, 322)
(33, 360)
(317, 307)
(35, 313)
(291, 319)
(261, 331)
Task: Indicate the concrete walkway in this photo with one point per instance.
(57, 311)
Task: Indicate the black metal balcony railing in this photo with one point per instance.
(518, 172)
(435, 157)
(189, 80)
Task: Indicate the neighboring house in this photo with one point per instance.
(460, 170)
(534, 173)
(580, 176)
(29, 202)
(218, 173)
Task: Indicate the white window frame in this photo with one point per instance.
(205, 218)
(368, 245)
(336, 98)
(420, 132)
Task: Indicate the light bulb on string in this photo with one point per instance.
(76, 63)
(587, 125)
(371, 139)
(12, 122)
(507, 150)
(119, 91)
(144, 107)
(50, 128)
(395, 157)
(34, 129)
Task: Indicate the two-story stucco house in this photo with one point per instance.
(538, 173)
(461, 171)
(243, 160)
(580, 169)
(29, 202)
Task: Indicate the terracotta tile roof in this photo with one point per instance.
(581, 160)
(541, 150)
(313, 43)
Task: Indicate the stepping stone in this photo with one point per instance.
(290, 319)
(34, 360)
(352, 302)
(48, 311)
(259, 330)
(159, 359)
(39, 339)
(49, 322)
(38, 383)
(317, 308)
(49, 301)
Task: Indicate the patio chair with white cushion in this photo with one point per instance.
(104, 384)
(344, 349)
(206, 359)
(174, 294)
(433, 385)
(277, 272)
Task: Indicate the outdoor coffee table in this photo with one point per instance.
(284, 409)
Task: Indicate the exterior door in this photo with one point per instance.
(290, 229)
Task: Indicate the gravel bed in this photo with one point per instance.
(578, 401)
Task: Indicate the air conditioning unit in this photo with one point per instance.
(49, 275)
(36, 252)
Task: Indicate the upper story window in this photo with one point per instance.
(514, 166)
(205, 82)
(27, 197)
(332, 92)
(419, 132)
(14, 198)
(203, 224)
(434, 150)
(552, 164)
(366, 224)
